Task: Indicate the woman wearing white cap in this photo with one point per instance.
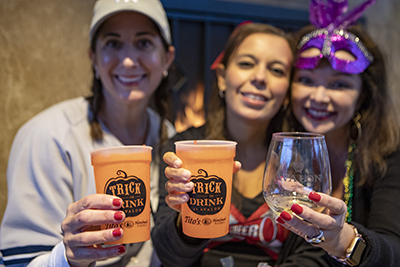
(51, 191)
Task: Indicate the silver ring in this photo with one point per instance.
(316, 240)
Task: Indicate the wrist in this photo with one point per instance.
(355, 250)
(345, 238)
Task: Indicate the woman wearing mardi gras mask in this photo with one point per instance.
(51, 193)
(339, 89)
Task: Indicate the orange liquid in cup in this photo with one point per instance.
(206, 214)
(125, 172)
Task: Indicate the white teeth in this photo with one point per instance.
(316, 113)
(129, 80)
(255, 97)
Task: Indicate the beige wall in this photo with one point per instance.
(43, 58)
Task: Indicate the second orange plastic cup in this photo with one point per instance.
(206, 214)
(125, 172)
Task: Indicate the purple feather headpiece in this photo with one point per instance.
(331, 21)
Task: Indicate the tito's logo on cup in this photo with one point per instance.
(131, 189)
(209, 194)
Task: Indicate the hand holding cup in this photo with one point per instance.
(179, 183)
(81, 244)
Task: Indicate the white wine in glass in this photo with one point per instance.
(297, 163)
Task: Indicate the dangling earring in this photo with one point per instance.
(96, 75)
(165, 74)
(221, 93)
(356, 120)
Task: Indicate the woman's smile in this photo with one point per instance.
(130, 80)
(254, 99)
(319, 114)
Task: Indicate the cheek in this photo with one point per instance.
(297, 99)
(230, 84)
(346, 103)
(105, 59)
(154, 60)
(280, 88)
(234, 79)
(347, 110)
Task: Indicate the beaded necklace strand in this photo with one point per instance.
(348, 181)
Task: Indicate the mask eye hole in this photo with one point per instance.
(310, 53)
(345, 55)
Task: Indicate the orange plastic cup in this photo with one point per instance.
(206, 214)
(125, 172)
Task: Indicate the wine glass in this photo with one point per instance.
(297, 163)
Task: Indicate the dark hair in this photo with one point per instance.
(95, 100)
(380, 128)
(216, 116)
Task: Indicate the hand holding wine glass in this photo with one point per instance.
(297, 187)
(297, 164)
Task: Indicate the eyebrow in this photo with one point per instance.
(281, 63)
(137, 34)
(111, 34)
(145, 33)
(276, 61)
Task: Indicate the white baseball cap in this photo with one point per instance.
(103, 9)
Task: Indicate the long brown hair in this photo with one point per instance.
(95, 100)
(216, 116)
(380, 127)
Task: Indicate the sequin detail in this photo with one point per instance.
(328, 44)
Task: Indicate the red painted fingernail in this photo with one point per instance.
(117, 232)
(280, 220)
(286, 216)
(121, 250)
(296, 208)
(117, 202)
(314, 196)
(118, 215)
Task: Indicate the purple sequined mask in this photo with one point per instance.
(331, 36)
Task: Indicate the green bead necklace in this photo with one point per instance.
(348, 181)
